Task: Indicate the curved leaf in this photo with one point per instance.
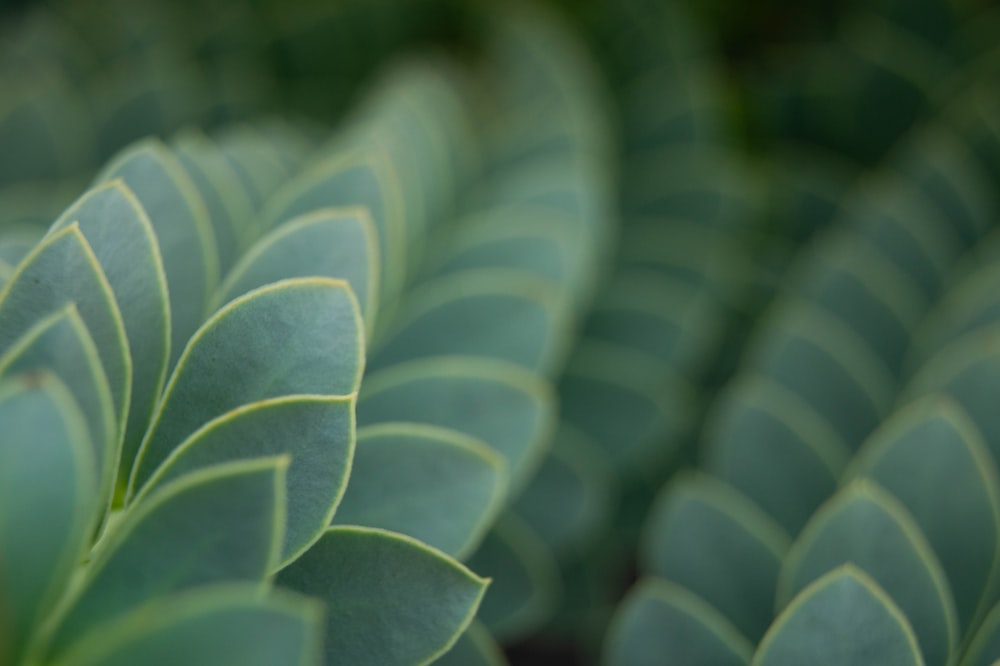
(815, 355)
(768, 443)
(332, 242)
(499, 314)
(352, 178)
(116, 227)
(568, 501)
(866, 526)
(300, 336)
(223, 523)
(501, 404)
(930, 456)
(315, 432)
(475, 647)
(710, 540)
(527, 578)
(436, 485)
(60, 344)
(658, 619)
(183, 231)
(219, 624)
(372, 579)
(842, 618)
(62, 269)
(47, 502)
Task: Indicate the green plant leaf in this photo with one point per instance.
(984, 647)
(815, 355)
(968, 371)
(300, 336)
(48, 498)
(223, 523)
(528, 579)
(334, 243)
(709, 539)
(62, 269)
(183, 231)
(475, 647)
(122, 238)
(372, 580)
(932, 458)
(219, 624)
(623, 400)
(842, 618)
(500, 314)
(61, 345)
(501, 404)
(217, 185)
(568, 501)
(658, 618)
(352, 178)
(436, 485)
(866, 526)
(668, 319)
(865, 290)
(256, 162)
(768, 443)
(316, 432)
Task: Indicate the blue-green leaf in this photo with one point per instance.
(866, 526)
(658, 619)
(437, 485)
(842, 618)
(300, 336)
(219, 624)
(709, 539)
(223, 523)
(183, 231)
(116, 227)
(501, 404)
(47, 502)
(316, 432)
(332, 242)
(373, 580)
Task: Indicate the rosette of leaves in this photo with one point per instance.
(846, 508)
(182, 354)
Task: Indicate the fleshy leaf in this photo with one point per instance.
(866, 526)
(300, 336)
(352, 178)
(710, 540)
(183, 231)
(503, 405)
(61, 345)
(373, 580)
(568, 501)
(475, 647)
(47, 502)
(334, 243)
(316, 432)
(828, 365)
(842, 618)
(116, 227)
(62, 269)
(658, 619)
(219, 624)
(769, 444)
(436, 485)
(503, 315)
(932, 458)
(220, 524)
(527, 579)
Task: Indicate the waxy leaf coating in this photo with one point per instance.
(390, 600)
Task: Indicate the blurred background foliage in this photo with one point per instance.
(740, 131)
